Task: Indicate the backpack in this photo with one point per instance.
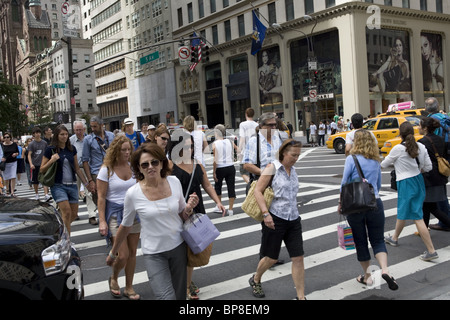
(444, 130)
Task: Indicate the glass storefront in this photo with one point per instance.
(317, 89)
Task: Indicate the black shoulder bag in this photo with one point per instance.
(357, 196)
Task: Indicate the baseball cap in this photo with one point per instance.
(150, 127)
(128, 121)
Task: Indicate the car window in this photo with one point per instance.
(415, 121)
(388, 123)
(370, 124)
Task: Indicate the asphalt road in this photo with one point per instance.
(330, 270)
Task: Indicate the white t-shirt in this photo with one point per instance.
(161, 225)
(116, 186)
(350, 137)
(223, 153)
(246, 130)
(199, 137)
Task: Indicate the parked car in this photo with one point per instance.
(37, 259)
(384, 127)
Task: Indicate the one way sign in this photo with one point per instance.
(184, 55)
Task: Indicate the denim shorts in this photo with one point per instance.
(65, 192)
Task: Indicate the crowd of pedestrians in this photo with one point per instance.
(144, 185)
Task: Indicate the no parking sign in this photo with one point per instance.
(184, 55)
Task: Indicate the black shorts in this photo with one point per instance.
(229, 174)
(34, 175)
(288, 231)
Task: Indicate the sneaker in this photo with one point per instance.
(230, 212)
(36, 197)
(47, 197)
(216, 209)
(258, 292)
(390, 241)
(426, 256)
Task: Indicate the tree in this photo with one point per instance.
(40, 108)
(12, 119)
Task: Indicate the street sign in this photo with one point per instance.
(184, 55)
(151, 57)
(312, 65)
(59, 85)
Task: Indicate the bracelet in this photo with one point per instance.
(113, 256)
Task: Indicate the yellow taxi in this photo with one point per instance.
(389, 144)
(384, 127)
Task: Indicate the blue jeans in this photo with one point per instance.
(368, 224)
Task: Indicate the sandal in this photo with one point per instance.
(132, 296)
(192, 296)
(194, 288)
(114, 294)
(258, 291)
(361, 280)
(390, 281)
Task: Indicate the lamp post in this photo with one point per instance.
(71, 85)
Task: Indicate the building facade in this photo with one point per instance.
(134, 39)
(366, 54)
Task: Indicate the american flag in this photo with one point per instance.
(197, 44)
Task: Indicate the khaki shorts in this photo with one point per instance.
(113, 227)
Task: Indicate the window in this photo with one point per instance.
(212, 4)
(439, 6)
(423, 5)
(405, 3)
(190, 13)
(389, 123)
(388, 2)
(74, 58)
(201, 9)
(241, 25)
(289, 10)
(330, 3)
(215, 35)
(227, 30)
(226, 3)
(180, 17)
(370, 124)
(272, 13)
(309, 6)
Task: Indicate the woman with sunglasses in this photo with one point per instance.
(10, 153)
(65, 189)
(161, 137)
(158, 199)
(113, 181)
(182, 157)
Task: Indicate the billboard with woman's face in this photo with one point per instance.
(269, 79)
(432, 63)
(388, 60)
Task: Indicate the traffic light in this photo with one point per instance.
(205, 54)
(316, 76)
(194, 54)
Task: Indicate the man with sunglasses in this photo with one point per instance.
(269, 142)
(94, 150)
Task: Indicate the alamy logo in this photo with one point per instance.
(374, 21)
(74, 280)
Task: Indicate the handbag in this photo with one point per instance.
(2, 165)
(198, 231)
(200, 259)
(357, 196)
(345, 236)
(250, 206)
(443, 165)
(394, 176)
(47, 178)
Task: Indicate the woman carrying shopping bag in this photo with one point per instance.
(368, 224)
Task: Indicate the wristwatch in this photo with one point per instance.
(266, 214)
(113, 256)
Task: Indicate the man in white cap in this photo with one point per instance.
(151, 132)
(136, 137)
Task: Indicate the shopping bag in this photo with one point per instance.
(345, 236)
(199, 232)
(200, 259)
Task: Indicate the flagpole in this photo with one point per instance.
(281, 36)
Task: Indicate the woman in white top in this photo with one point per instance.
(114, 179)
(223, 166)
(199, 138)
(159, 201)
(410, 159)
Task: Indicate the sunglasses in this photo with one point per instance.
(6, 137)
(153, 163)
(164, 138)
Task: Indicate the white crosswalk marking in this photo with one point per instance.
(317, 205)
